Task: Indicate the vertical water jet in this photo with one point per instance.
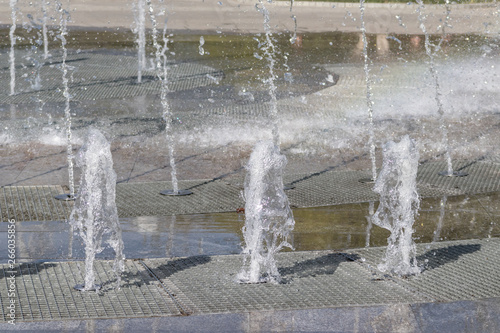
(44, 30)
(268, 218)
(94, 214)
(140, 30)
(369, 101)
(431, 50)
(13, 39)
(63, 32)
(269, 53)
(162, 74)
(399, 204)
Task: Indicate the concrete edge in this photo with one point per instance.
(476, 316)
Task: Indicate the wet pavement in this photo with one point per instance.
(220, 107)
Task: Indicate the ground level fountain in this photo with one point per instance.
(185, 252)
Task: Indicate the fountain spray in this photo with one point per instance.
(268, 218)
(95, 213)
(44, 30)
(399, 203)
(13, 39)
(34, 78)
(140, 30)
(162, 74)
(431, 50)
(369, 101)
(63, 32)
(269, 53)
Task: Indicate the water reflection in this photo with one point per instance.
(320, 228)
(437, 233)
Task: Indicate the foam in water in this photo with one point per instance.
(399, 203)
(94, 214)
(268, 218)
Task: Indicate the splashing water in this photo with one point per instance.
(431, 50)
(140, 30)
(269, 52)
(369, 101)
(13, 39)
(399, 203)
(162, 74)
(44, 30)
(33, 55)
(268, 217)
(63, 32)
(95, 213)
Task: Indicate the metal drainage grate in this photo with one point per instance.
(483, 177)
(143, 199)
(458, 270)
(454, 270)
(102, 76)
(45, 291)
(36, 203)
(33, 203)
(313, 280)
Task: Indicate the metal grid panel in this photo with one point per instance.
(334, 188)
(455, 270)
(483, 176)
(36, 203)
(102, 76)
(313, 280)
(468, 270)
(144, 199)
(250, 111)
(329, 188)
(45, 291)
(33, 203)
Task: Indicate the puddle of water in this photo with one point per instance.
(320, 228)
